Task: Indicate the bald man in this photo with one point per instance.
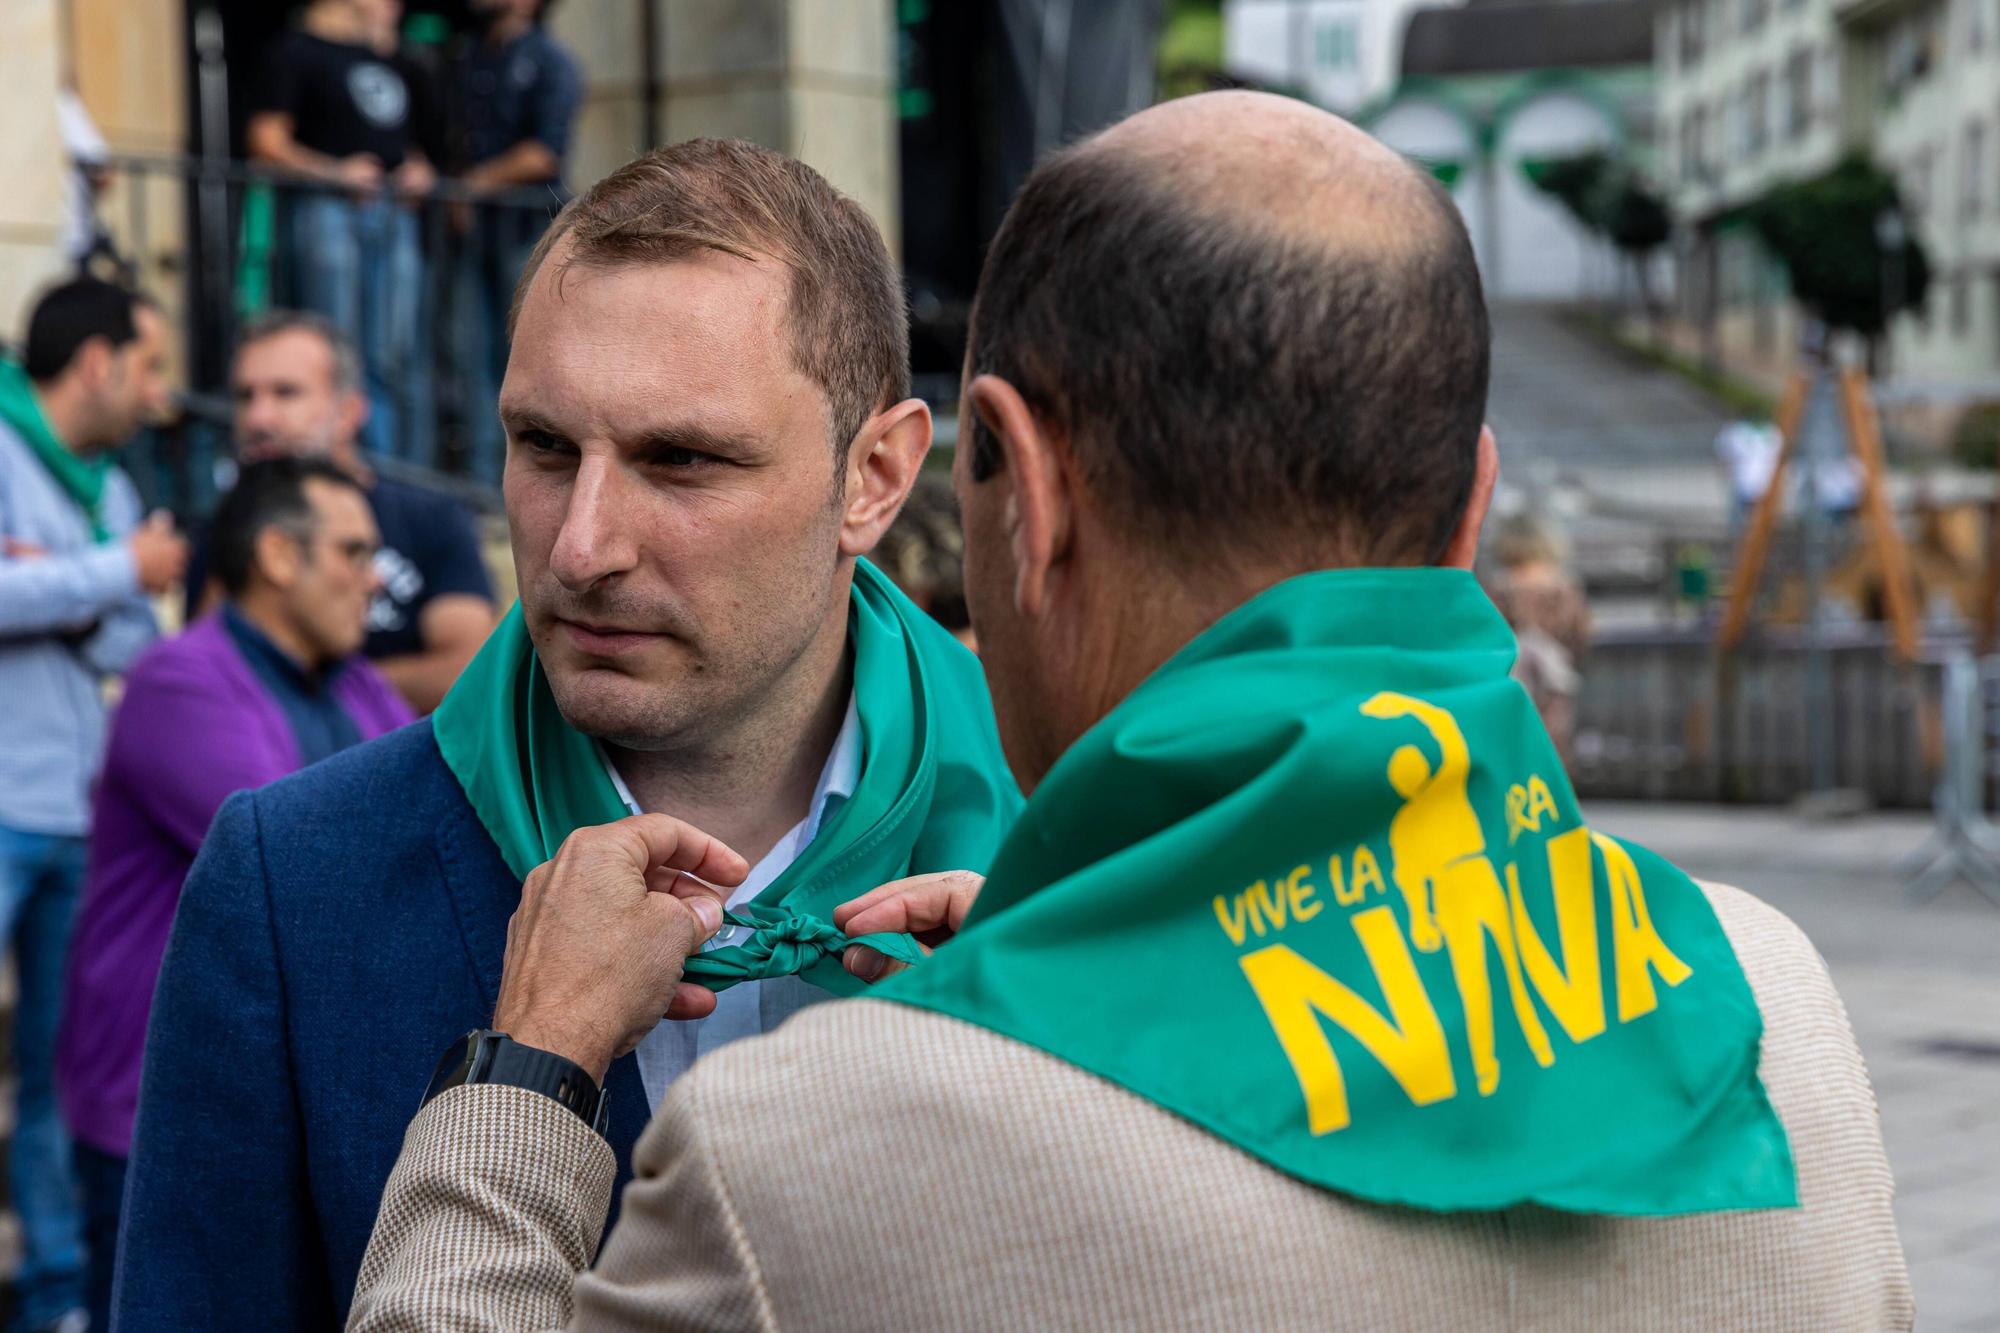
(1224, 469)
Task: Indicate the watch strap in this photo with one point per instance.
(484, 1056)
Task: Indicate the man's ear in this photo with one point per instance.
(354, 411)
(94, 362)
(277, 557)
(1463, 548)
(882, 465)
(1040, 517)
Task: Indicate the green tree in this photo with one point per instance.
(1611, 200)
(1190, 51)
(1825, 232)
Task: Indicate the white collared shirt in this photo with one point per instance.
(749, 1007)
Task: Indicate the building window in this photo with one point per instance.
(1977, 21)
(1912, 51)
(1754, 12)
(1756, 113)
(1961, 304)
(1798, 94)
(1972, 172)
(1694, 146)
(1993, 309)
(1337, 47)
(1693, 20)
(1917, 185)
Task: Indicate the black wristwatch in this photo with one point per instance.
(484, 1056)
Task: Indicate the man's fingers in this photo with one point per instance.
(651, 843)
(707, 902)
(928, 906)
(908, 906)
(871, 966)
(668, 842)
(691, 1001)
(696, 909)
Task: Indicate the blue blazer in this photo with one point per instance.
(309, 988)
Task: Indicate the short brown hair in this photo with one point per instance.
(346, 356)
(849, 321)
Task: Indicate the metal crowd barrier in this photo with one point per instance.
(1966, 843)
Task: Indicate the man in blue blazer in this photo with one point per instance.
(709, 424)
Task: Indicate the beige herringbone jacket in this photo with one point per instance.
(870, 1166)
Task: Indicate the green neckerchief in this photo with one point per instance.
(81, 479)
(934, 792)
(1209, 902)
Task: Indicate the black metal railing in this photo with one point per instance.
(422, 284)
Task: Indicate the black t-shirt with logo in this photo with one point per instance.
(342, 99)
(430, 549)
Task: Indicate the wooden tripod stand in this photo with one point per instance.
(1864, 437)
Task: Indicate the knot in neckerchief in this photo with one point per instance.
(783, 943)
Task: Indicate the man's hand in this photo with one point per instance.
(414, 178)
(930, 907)
(594, 952)
(361, 172)
(14, 548)
(159, 553)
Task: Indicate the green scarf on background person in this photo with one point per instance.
(81, 479)
(934, 792)
(1320, 886)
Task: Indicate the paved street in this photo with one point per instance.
(1922, 985)
(1618, 450)
(1563, 398)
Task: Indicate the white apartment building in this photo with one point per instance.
(1756, 92)
(1927, 81)
(1491, 90)
(1343, 54)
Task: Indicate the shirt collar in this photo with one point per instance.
(253, 640)
(838, 777)
(842, 773)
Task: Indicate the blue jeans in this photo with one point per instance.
(357, 262)
(39, 877)
(482, 292)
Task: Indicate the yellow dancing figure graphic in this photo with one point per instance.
(1454, 897)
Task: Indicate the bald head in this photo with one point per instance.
(1254, 324)
(1280, 167)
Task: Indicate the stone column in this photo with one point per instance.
(813, 78)
(128, 60)
(31, 158)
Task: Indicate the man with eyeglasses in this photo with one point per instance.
(270, 682)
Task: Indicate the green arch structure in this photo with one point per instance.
(1485, 130)
(1543, 82)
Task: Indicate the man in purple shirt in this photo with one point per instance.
(266, 685)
